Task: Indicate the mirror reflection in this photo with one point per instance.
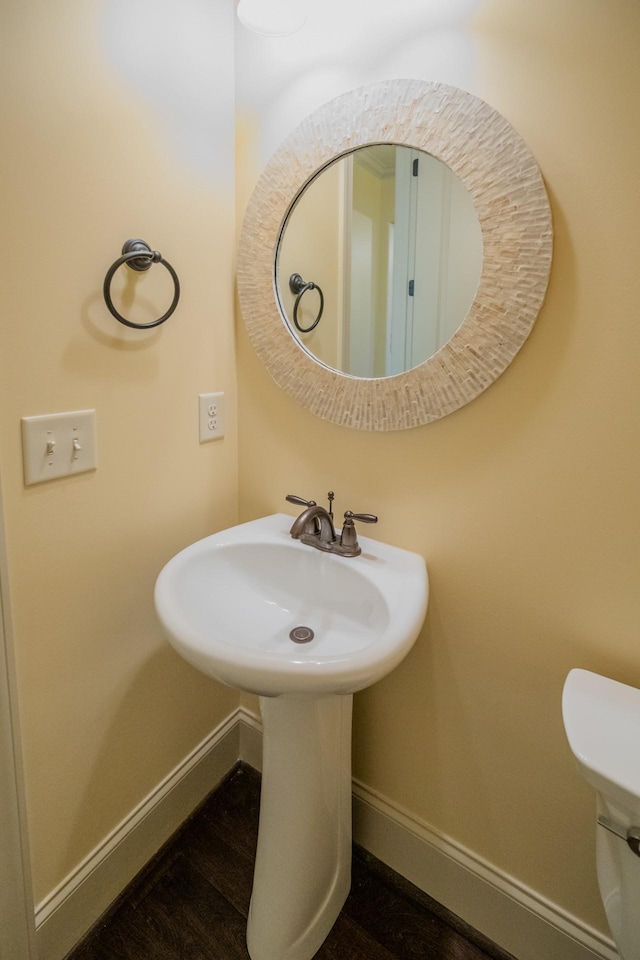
(379, 260)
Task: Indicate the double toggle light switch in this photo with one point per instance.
(58, 445)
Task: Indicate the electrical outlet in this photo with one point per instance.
(211, 416)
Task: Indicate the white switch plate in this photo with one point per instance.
(58, 445)
(211, 416)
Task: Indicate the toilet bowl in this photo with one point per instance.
(602, 723)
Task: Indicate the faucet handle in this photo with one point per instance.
(292, 498)
(349, 546)
(363, 517)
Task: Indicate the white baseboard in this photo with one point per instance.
(515, 917)
(66, 914)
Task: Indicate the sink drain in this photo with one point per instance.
(301, 634)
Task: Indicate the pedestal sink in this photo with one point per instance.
(304, 630)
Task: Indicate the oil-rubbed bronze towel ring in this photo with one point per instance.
(138, 255)
(298, 286)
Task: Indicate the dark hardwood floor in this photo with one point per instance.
(191, 901)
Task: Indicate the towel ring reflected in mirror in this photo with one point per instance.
(298, 287)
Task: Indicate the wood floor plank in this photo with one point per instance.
(349, 941)
(400, 924)
(232, 811)
(222, 866)
(368, 869)
(191, 902)
(180, 917)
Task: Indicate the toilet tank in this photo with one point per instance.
(602, 722)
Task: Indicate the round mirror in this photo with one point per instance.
(379, 260)
(317, 284)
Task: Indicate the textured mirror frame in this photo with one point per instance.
(511, 202)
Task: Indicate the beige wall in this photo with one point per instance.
(525, 503)
(117, 122)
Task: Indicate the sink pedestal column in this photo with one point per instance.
(303, 862)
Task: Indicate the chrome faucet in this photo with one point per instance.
(315, 527)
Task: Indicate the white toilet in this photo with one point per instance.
(602, 722)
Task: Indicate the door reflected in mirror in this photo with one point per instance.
(391, 238)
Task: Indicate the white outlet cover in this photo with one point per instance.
(211, 416)
(58, 445)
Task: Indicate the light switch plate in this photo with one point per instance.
(58, 445)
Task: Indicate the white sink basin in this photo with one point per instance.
(229, 602)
